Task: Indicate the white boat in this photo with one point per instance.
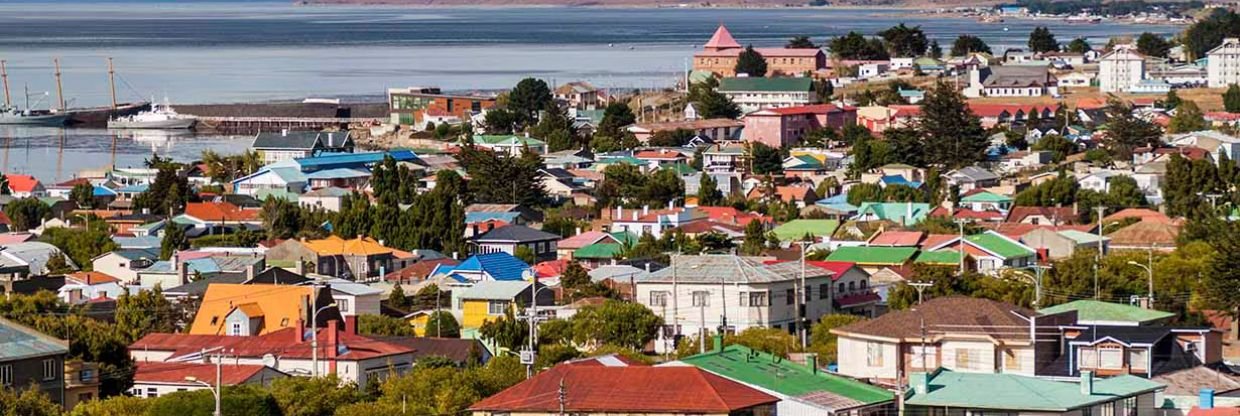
(161, 116)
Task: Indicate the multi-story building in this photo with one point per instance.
(31, 358)
(780, 127)
(1120, 69)
(1011, 81)
(720, 53)
(81, 382)
(755, 93)
(1223, 66)
(409, 106)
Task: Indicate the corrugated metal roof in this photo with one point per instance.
(19, 342)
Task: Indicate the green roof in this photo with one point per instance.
(995, 243)
(776, 84)
(1099, 311)
(873, 255)
(755, 368)
(979, 391)
(986, 196)
(494, 139)
(938, 257)
(624, 237)
(598, 251)
(896, 211)
(795, 229)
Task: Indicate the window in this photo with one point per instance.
(658, 298)
(1087, 411)
(1111, 358)
(701, 298)
(842, 288)
(6, 375)
(852, 286)
(151, 392)
(822, 290)
(864, 284)
(930, 352)
(86, 376)
(789, 296)
(757, 299)
(49, 369)
(1137, 358)
(1011, 360)
(84, 397)
(343, 305)
(236, 329)
(497, 307)
(1129, 406)
(1088, 358)
(874, 354)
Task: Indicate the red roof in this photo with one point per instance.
(551, 268)
(708, 226)
(583, 239)
(175, 373)
(837, 268)
(1216, 411)
(73, 182)
(897, 238)
(281, 342)
(905, 110)
(722, 39)
(14, 238)
(92, 278)
(965, 213)
(934, 240)
(4, 219)
(22, 183)
(994, 110)
(634, 389)
(220, 211)
(419, 270)
(806, 109)
(1062, 215)
(659, 154)
(1222, 116)
(732, 215)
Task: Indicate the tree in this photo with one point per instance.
(766, 160)
(174, 240)
(442, 324)
(1125, 131)
(751, 62)
(800, 42)
(1059, 146)
(1172, 101)
(1220, 286)
(4, 185)
(1188, 118)
(935, 50)
(624, 324)
(616, 116)
(671, 138)
(1042, 40)
(1060, 191)
(906, 146)
(904, 41)
(1153, 45)
(967, 44)
(1079, 45)
(83, 194)
(755, 239)
(313, 396)
(113, 406)
(708, 191)
(954, 137)
(556, 129)
(711, 103)
(527, 98)
(383, 326)
(525, 254)
(168, 193)
(502, 179)
(30, 401)
(27, 213)
(397, 299)
(1208, 32)
(82, 245)
(1231, 98)
(145, 312)
(241, 400)
(506, 331)
(822, 341)
(855, 46)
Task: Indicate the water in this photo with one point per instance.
(215, 52)
(59, 154)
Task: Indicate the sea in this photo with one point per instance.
(253, 51)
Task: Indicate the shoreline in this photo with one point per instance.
(591, 5)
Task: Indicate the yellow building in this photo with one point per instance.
(256, 309)
(489, 299)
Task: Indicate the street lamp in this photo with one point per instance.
(314, 339)
(528, 360)
(1150, 271)
(1038, 269)
(215, 390)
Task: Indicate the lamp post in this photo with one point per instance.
(1038, 269)
(217, 390)
(1149, 270)
(314, 339)
(527, 358)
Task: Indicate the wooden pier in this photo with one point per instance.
(256, 124)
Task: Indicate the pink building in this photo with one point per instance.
(779, 127)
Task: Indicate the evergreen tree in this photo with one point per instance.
(1153, 45)
(1125, 131)
(27, 213)
(904, 41)
(615, 117)
(1220, 286)
(527, 98)
(855, 46)
(766, 160)
(966, 44)
(708, 191)
(442, 324)
(800, 42)
(712, 104)
(954, 137)
(501, 179)
(1042, 40)
(751, 62)
(1172, 101)
(1079, 45)
(83, 194)
(174, 240)
(1188, 118)
(556, 129)
(935, 50)
(755, 239)
(1208, 32)
(167, 194)
(1231, 99)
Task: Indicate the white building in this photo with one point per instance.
(702, 292)
(1121, 69)
(1223, 67)
(1011, 81)
(752, 94)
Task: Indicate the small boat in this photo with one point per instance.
(161, 116)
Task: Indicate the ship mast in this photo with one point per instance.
(4, 75)
(60, 94)
(112, 82)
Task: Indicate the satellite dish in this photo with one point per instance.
(269, 360)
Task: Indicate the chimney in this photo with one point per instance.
(645, 210)
(183, 272)
(908, 209)
(249, 273)
(811, 361)
(920, 382)
(301, 267)
(1205, 399)
(718, 343)
(578, 231)
(620, 213)
(647, 267)
(300, 331)
(330, 136)
(1087, 382)
(350, 325)
(333, 338)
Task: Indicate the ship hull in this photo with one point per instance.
(99, 116)
(34, 120)
(177, 124)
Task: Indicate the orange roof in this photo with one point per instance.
(220, 211)
(722, 39)
(1144, 214)
(280, 305)
(806, 109)
(659, 154)
(21, 183)
(1215, 411)
(897, 238)
(360, 246)
(92, 278)
(730, 215)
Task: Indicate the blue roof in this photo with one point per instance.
(338, 173)
(338, 160)
(138, 253)
(134, 189)
(899, 180)
(151, 242)
(204, 266)
(19, 342)
(501, 266)
(476, 217)
(102, 191)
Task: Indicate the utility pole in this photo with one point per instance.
(802, 300)
(675, 300)
(960, 223)
(1098, 260)
(921, 286)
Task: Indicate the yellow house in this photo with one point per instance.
(418, 320)
(257, 309)
(490, 299)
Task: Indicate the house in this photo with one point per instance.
(958, 333)
(798, 195)
(723, 158)
(719, 55)
(1053, 216)
(509, 213)
(1011, 81)
(485, 267)
(1145, 236)
(799, 229)
(803, 389)
(1076, 79)
(1025, 159)
(1223, 67)
(993, 251)
(284, 145)
(155, 379)
(1120, 69)
(31, 358)
(29, 259)
(612, 387)
(699, 293)
(1012, 114)
(245, 310)
(511, 145)
(410, 106)
(559, 183)
(83, 287)
(755, 93)
(353, 299)
(851, 293)
(903, 213)
(880, 118)
(358, 258)
(969, 178)
(956, 391)
(1058, 244)
(716, 129)
(124, 264)
(328, 199)
(872, 259)
(353, 358)
(82, 380)
(580, 95)
(219, 216)
(25, 186)
(1216, 143)
(352, 179)
(784, 126)
(565, 247)
(1099, 313)
(508, 239)
(280, 177)
(653, 222)
(1144, 351)
(488, 300)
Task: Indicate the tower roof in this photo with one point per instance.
(722, 39)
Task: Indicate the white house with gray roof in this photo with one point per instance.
(697, 292)
(284, 145)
